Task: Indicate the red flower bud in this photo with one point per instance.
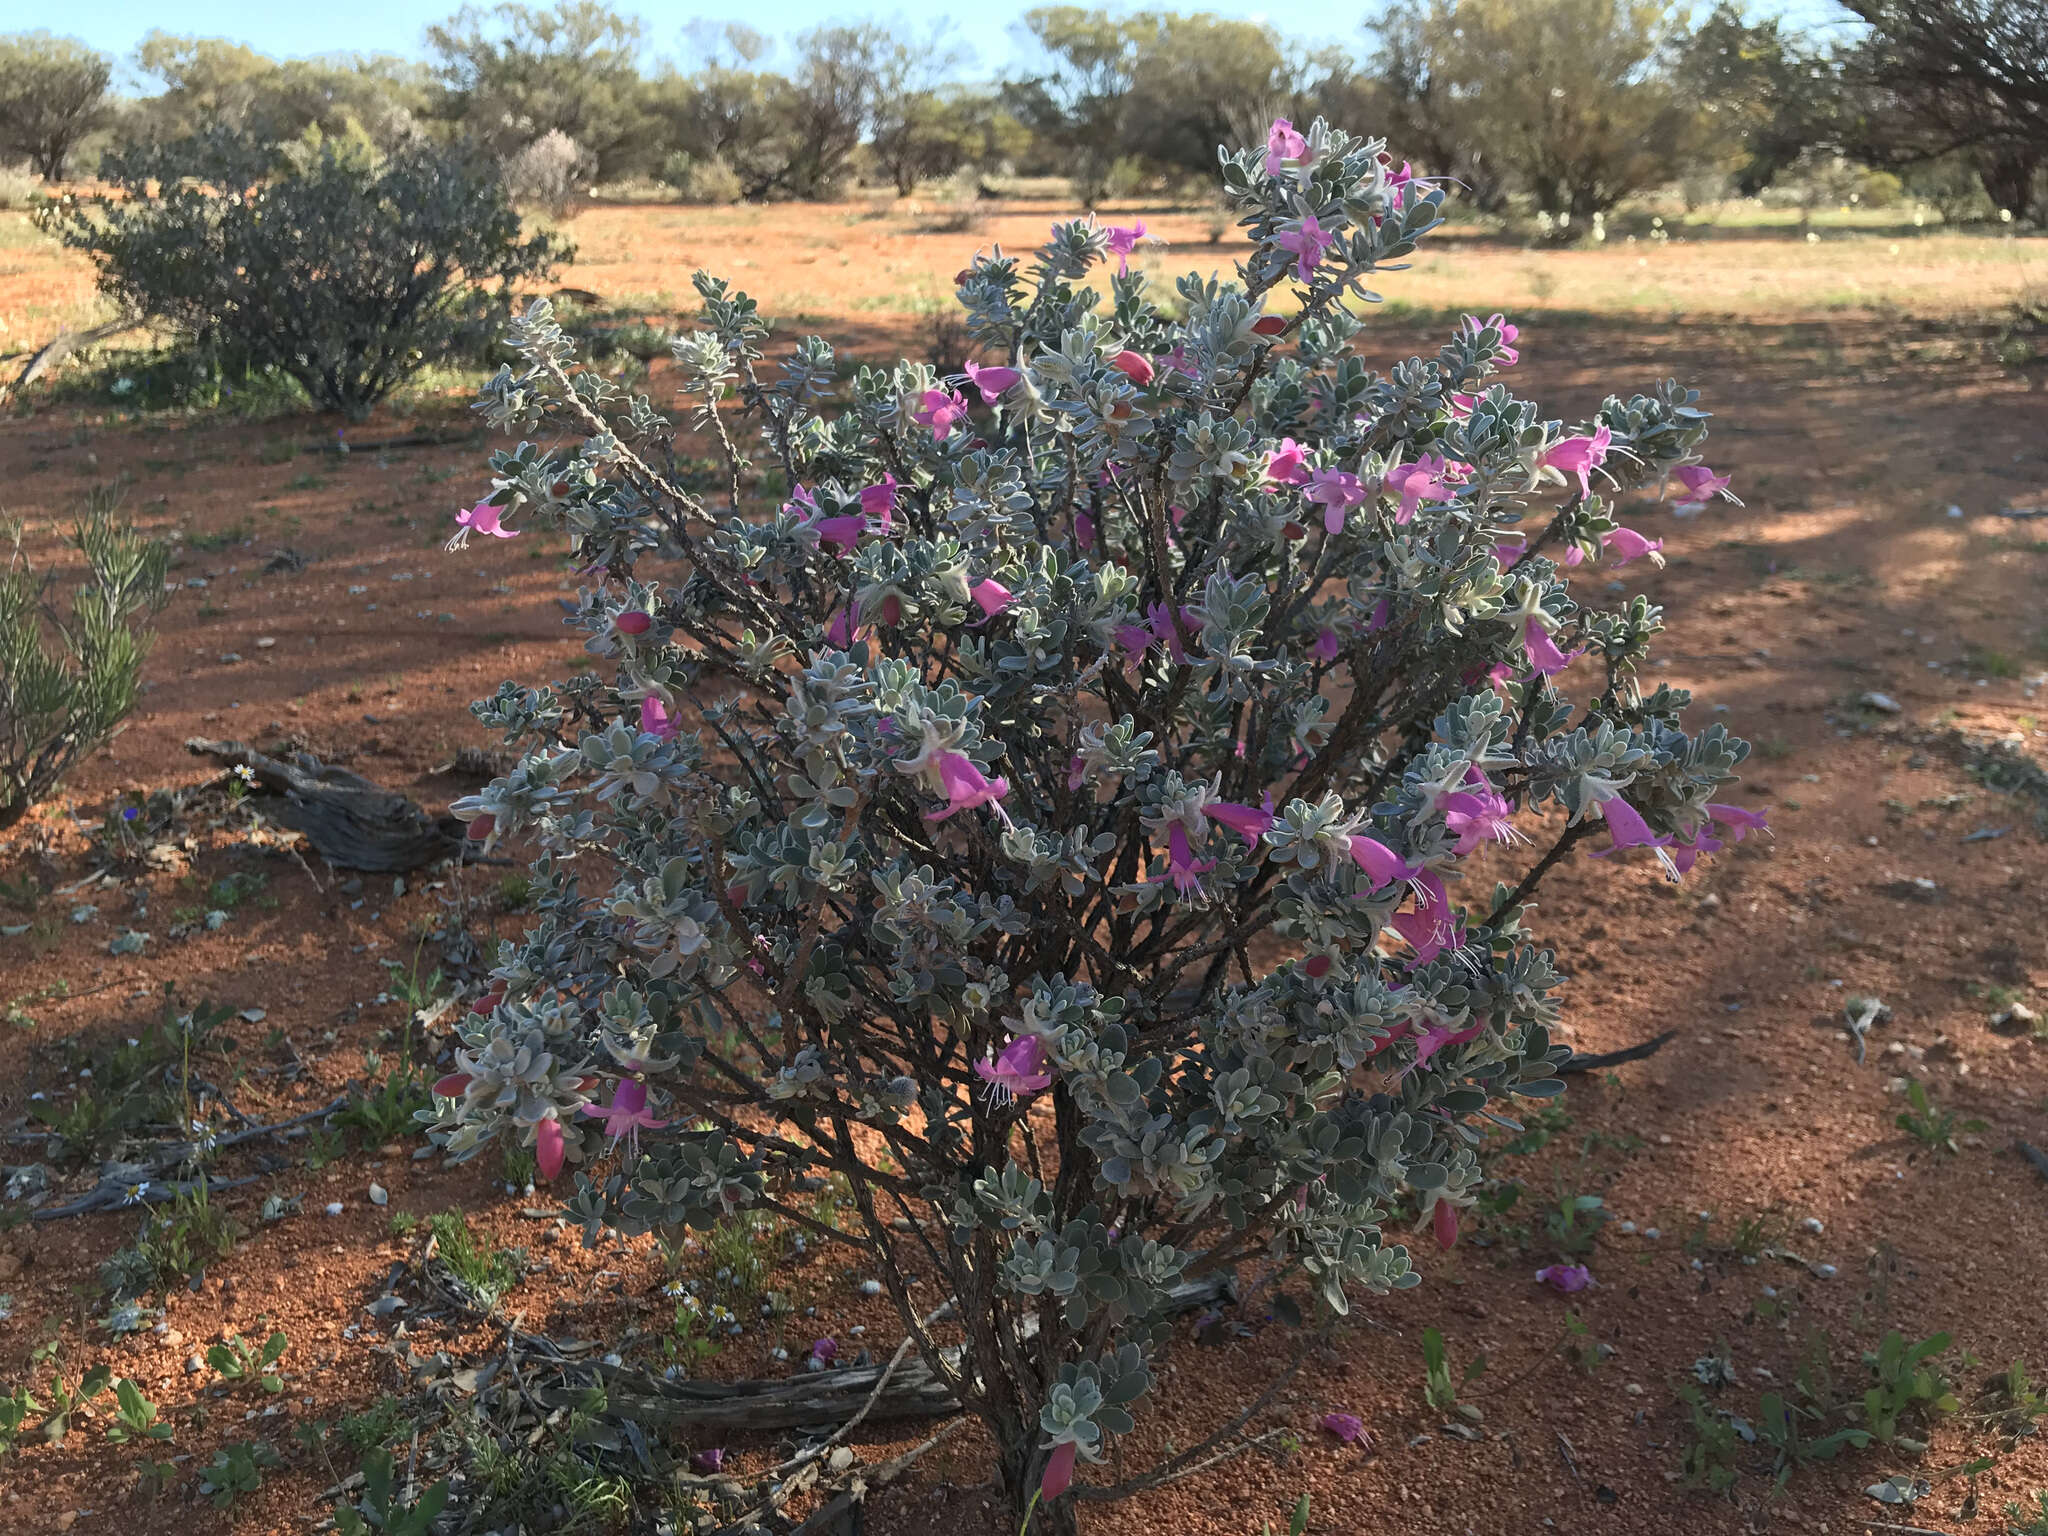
(453, 1086)
(1268, 325)
(634, 623)
(482, 827)
(1133, 366)
(1317, 965)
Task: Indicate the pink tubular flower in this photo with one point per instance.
(1136, 641)
(1739, 822)
(712, 1460)
(965, 784)
(1022, 1068)
(1568, 1278)
(1283, 144)
(1326, 647)
(1134, 366)
(840, 631)
(1348, 1427)
(992, 382)
(1625, 825)
(1508, 355)
(1161, 619)
(633, 622)
(1429, 478)
(1461, 406)
(1381, 864)
(1124, 240)
(1435, 1038)
(482, 518)
(1443, 1220)
(1543, 653)
(549, 1148)
(1580, 456)
(1477, 815)
(826, 1350)
(843, 532)
(940, 409)
(1684, 855)
(1084, 530)
(991, 596)
(1429, 929)
(655, 719)
(1059, 1471)
(1308, 241)
(1287, 464)
(1336, 491)
(1247, 823)
(1625, 544)
(1077, 771)
(627, 1112)
(1701, 485)
(879, 500)
(1182, 867)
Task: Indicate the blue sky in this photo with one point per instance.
(280, 27)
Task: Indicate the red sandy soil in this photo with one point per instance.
(1844, 574)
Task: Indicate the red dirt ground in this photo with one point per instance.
(1850, 439)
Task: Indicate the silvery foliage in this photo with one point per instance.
(757, 918)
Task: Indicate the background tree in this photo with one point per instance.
(348, 274)
(829, 104)
(1079, 103)
(1422, 112)
(1576, 96)
(209, 82)
(53, 92)
(1763, 94)
(916, 124)
(512, 72)
(1956, 75)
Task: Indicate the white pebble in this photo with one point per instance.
(1825, 1271)
(1628, 1228)
(1652, 1233)
(871, 1287)
(1813, 1224)
(379, 1195)
(334, 1207)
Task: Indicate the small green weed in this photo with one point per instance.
(2030, 1522)
(1297, 1522)
(376, 1426)
(1438, 1389)
(239, 1364)
(236, 1470)
(485, 1272)
(135, 1416)
(1933, 1127)
(381, 1510)
(15, 1409)
(1574, 1222)
(1910, 1387)
(384, 1109)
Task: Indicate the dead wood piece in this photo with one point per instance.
(351, 822)
(825, 1397)
(66, 344)
(1608, 1059)
(110, 1196)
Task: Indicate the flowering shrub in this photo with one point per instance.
(1053, 806)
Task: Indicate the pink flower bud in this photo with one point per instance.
(633, 622)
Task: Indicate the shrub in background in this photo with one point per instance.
(348, 272)
(1054, 810)
(66, 681)
(549, 173)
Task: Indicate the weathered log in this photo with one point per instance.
(351, 822)
(823, 1397)
(63, 346)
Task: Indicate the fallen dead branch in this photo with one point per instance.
(62, 347)
(351, 822)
